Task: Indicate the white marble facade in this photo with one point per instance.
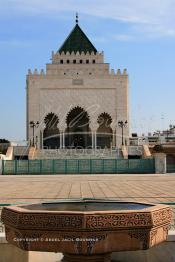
(77, 79)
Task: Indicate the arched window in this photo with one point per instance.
(78, 132)
(51, 135)
(104, 131)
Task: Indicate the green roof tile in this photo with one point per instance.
(77, 41)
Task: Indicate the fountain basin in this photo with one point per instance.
(86, 229)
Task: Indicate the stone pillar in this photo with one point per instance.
(95, 140)
(160, 163)
(93, 126)
(117, 139)
(61, 139)
(41, 139)
(92, 135)
(113, 139)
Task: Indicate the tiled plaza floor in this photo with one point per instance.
(32, 188)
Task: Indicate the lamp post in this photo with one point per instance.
(34, 125)
(36, 142)
(122, 124)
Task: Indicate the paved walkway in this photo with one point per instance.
(32, 188)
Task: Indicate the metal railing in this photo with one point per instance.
(78, 166)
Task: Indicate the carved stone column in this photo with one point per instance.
(62, 134)
(113, 126)
(61, 140)
(95, 140)
(113, 138)
(93, 126)
(92, 136)
(41, 139)
(118, 138)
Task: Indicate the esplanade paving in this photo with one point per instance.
(37, 188)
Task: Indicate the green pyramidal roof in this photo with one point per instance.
(77, 41)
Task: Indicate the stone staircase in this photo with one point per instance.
(9, 154)
(32, 153)
(146, 152)
(78, 154)
(113, 153)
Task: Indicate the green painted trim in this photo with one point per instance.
(15, 167)
(66, 166)
(73, 166)
(41, 164)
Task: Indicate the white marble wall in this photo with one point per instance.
(91, 86)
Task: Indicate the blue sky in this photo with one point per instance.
(137, 35)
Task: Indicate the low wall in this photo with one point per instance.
(161, 253)
(79, 166)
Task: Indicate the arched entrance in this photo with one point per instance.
(77, 131)
(51, 135)
(104, 131)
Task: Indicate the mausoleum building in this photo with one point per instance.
(78, 100)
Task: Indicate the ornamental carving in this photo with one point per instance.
(165, 229)
(152, 236)
(118, 220)
(50, 222)
(34, 220)
(160, 216)
(93, 239)
(84, 242)
(78, 247)
(142, 236)
(10, 216)
(79, 233)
